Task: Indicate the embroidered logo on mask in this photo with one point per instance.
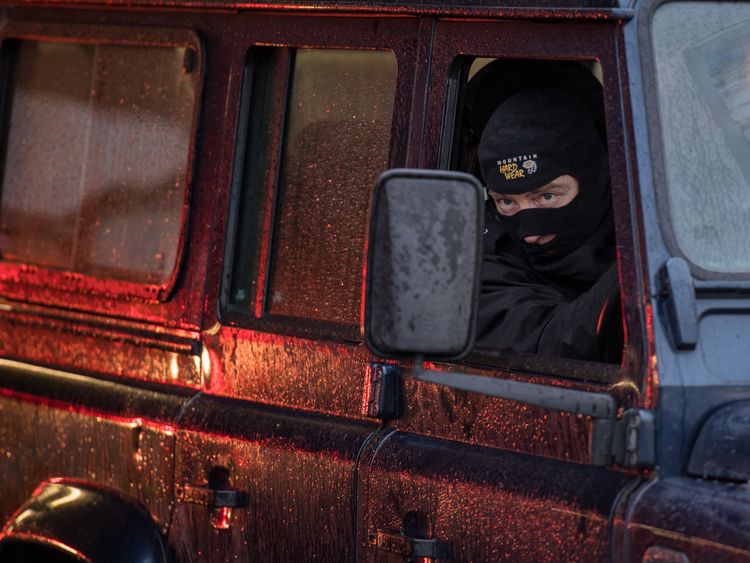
(511, 171)
(509, 168)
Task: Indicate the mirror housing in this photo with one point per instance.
(423, 264)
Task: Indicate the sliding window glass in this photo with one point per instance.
(97, 156)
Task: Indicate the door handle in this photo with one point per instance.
(221, 502)
(395, 541)
(212, 498)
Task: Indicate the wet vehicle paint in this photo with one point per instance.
(251, 436)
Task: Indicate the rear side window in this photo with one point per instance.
(311, 200)
(97, 156)
(702, 61)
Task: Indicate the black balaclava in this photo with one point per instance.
(534, 137)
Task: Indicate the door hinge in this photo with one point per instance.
(383, 392)
(628, 441)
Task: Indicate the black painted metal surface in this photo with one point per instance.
(278, 433)
(722, 449)
(482, 504)
(296, 471)
(705, 520)
(515, 8)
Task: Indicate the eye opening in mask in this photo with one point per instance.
(555, 194)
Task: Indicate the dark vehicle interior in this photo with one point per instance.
(480, 85)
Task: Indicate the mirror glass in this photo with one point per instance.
(423, 263)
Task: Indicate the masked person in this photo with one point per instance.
(549, 276)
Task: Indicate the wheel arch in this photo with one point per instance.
(68, 520)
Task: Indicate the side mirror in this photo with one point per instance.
(423, 261)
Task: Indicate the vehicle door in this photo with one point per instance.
(266, 457)
(468, 477)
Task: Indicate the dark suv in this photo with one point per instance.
(184, 208)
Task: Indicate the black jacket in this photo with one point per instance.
(571, 310)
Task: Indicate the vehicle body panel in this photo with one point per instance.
(105, 433)
(296, 469)
(702, 520)
(153, 394)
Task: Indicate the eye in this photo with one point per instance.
(547, 199)
(504, 205)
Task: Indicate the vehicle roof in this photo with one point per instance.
(448, 8)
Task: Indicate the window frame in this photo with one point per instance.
(575, 40)
(656, 142)
(396, 35)
(15, 275)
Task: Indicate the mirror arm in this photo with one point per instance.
(627, 440)
(585, 403)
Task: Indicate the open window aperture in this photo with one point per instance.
(480, 73)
